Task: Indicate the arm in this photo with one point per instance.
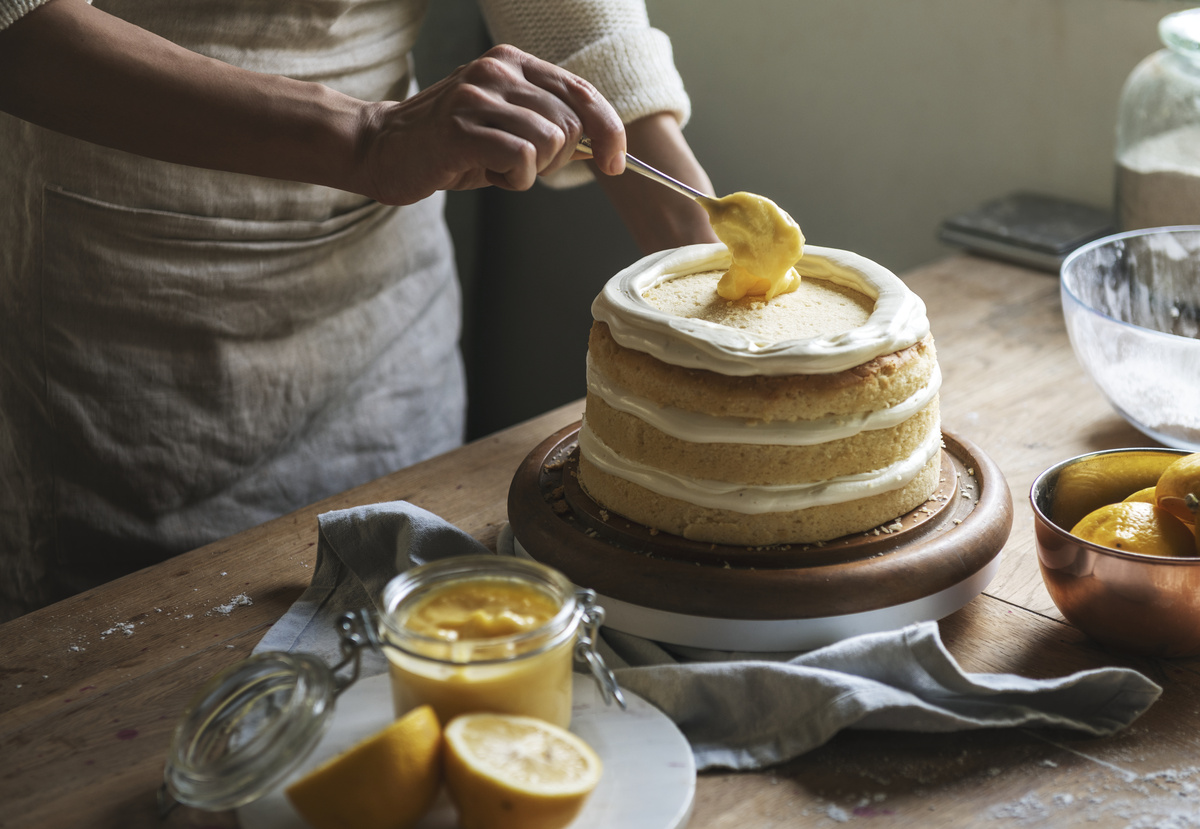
(503, 119)
(612, 44)
(656, 216)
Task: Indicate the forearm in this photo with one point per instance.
(74, 69)
(657, 217)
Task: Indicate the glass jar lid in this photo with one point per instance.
(1181, 32)
(247, 729)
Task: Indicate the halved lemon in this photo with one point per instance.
(387, 781)
(510, 772)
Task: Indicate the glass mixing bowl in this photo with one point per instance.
(1132, 308)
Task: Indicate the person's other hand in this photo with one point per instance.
(502, 119)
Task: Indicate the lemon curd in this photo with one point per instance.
(480, 609)
(499, 642)
(764, 241)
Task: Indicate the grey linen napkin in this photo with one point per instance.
(359, 550)
(739, 711)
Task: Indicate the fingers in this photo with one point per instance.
(503, 120)
(529, 115)
(595, 116)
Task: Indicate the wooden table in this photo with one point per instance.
(91, 687)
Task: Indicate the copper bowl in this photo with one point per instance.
(1132, 602)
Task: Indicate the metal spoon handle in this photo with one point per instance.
(639, 166)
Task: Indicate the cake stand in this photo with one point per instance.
(923, 566)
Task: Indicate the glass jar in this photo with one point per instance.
(524, 668)
(1158, 132)
(248, 728)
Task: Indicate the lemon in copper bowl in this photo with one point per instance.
(1131, 303)
(1125, 572)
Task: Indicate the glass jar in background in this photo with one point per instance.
(483, 633)
(1158, 132)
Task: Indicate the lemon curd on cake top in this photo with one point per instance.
(751, 422)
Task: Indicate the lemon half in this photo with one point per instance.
(388, 781)
(510, 772)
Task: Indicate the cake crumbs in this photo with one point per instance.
(240, 600)
(837, 813)
(120, 627)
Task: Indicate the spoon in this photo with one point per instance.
(638, 166)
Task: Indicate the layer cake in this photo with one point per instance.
(750, 422)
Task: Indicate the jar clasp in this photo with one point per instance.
(591, 618)
(356, 630)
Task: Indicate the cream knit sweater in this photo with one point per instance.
(608, 42)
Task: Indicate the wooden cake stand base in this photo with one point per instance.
(924, 565)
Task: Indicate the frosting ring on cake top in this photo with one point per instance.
(897, 321)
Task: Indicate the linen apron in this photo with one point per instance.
(186, 353)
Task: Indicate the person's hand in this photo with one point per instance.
(502, 119)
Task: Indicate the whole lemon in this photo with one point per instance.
(1104, 479)
(1178, 488)
(1145, 495)
(1137, 527)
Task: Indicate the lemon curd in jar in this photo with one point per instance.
(498, 636)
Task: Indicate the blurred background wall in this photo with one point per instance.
(870, 121)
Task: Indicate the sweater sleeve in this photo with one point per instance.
(13, 10)
(608, 42)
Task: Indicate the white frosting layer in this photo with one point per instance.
(696, 427)
(897, 321)
(756, 500)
